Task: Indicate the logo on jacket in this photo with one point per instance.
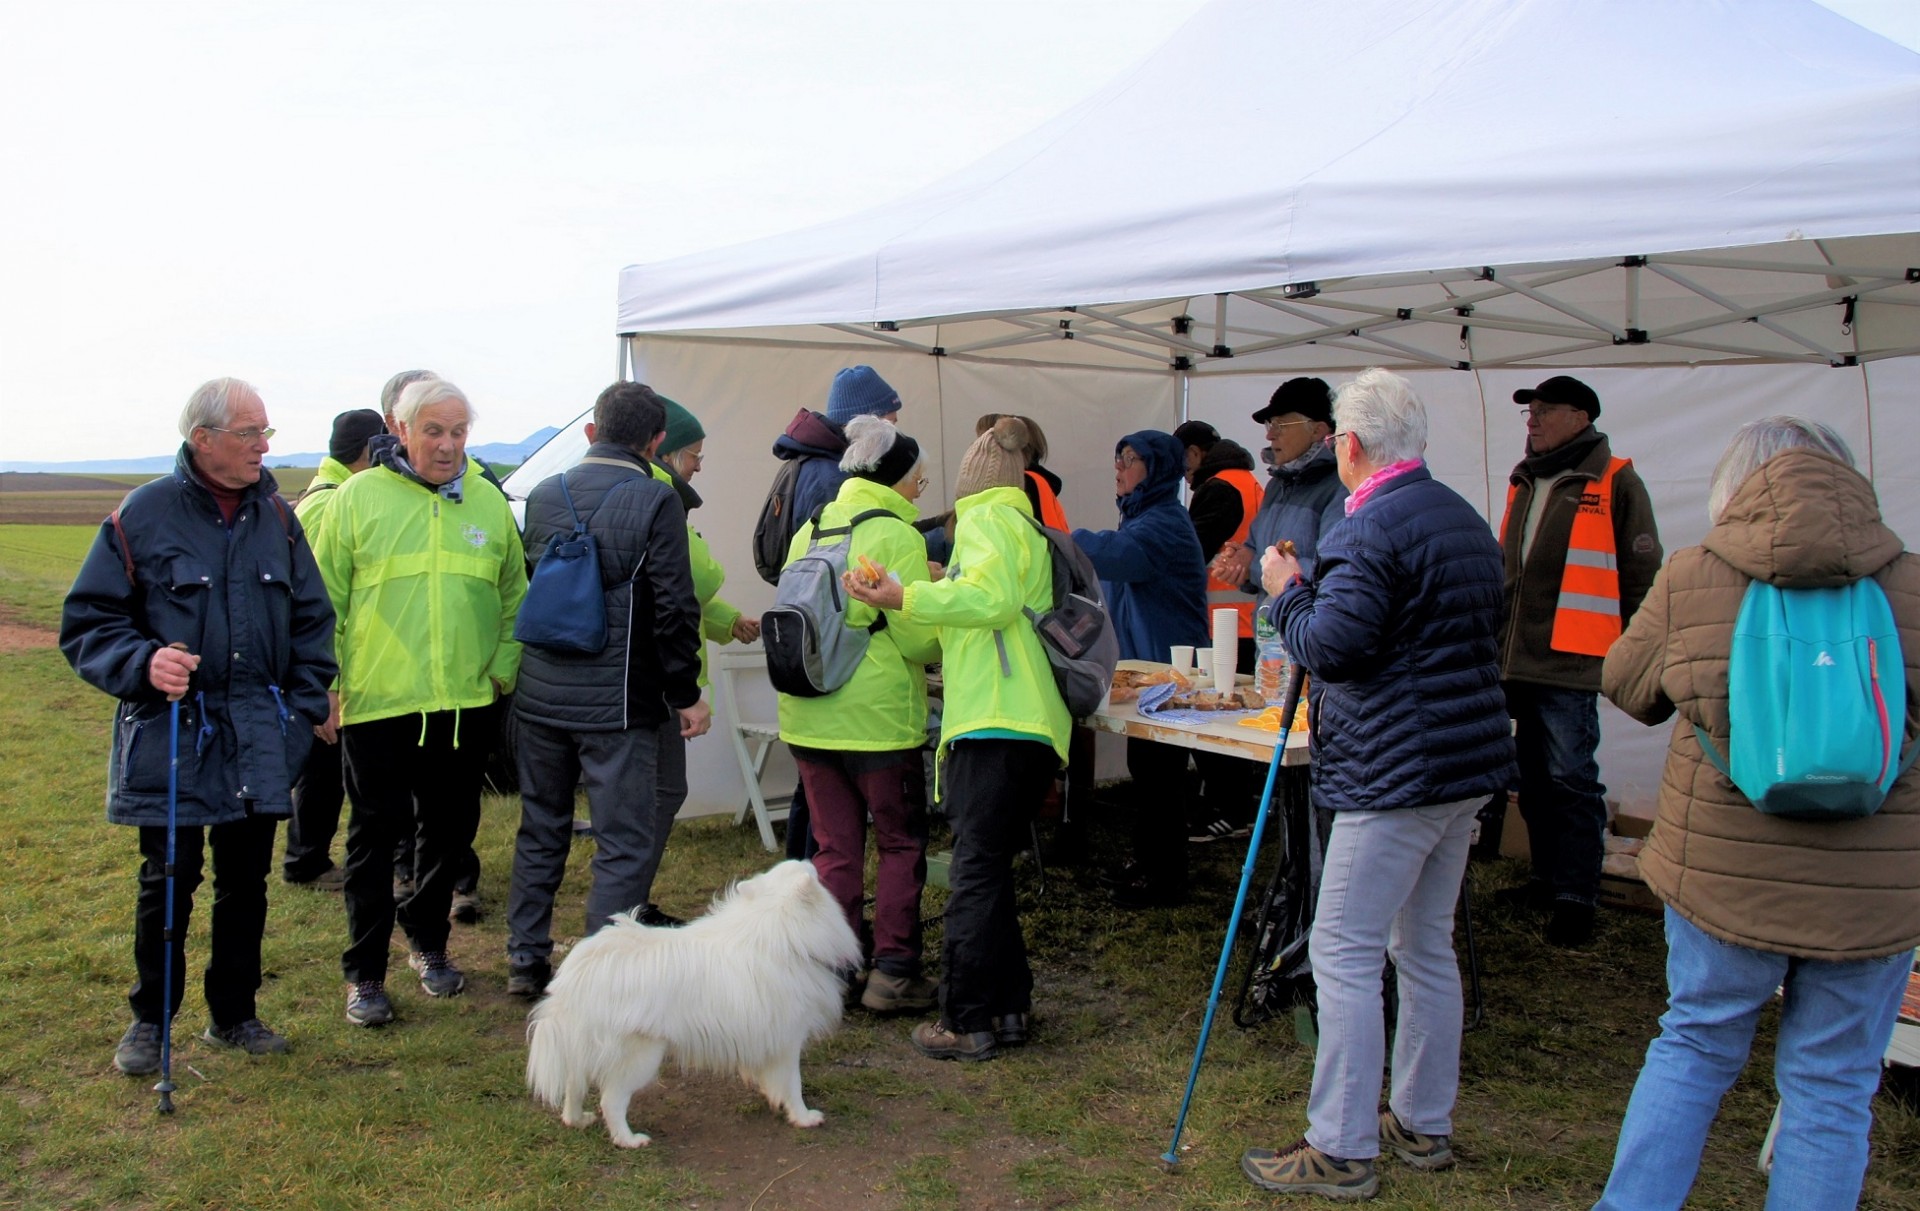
(1823, 660)
(475, 536)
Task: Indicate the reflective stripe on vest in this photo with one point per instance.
(1052, 515)
(1220, 593)
(1586, 618)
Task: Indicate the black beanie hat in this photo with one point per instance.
(351, 431)
(894, 464)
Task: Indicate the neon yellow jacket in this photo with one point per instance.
(716, 616)
(312, 509)
(997, 675)
(884, 707)
(425, 591)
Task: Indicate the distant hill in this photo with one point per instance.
(510, 454)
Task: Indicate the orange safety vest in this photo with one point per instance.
(1221, 594)
(1586, 619)
(1052, 515)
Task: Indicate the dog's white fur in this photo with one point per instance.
(742, 989)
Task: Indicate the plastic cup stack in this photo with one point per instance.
(1226, 648)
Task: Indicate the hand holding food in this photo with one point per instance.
(870, 572)
(1278, 568)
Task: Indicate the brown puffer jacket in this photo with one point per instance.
(1835, 891)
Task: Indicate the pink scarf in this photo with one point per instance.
(1373, 483)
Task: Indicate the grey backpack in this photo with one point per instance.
(811, 651)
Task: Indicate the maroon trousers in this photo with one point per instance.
(843, 790)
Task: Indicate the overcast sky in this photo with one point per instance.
(313, 196)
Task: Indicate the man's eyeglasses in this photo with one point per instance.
(1539, 410)
(249, 436)
(1274, 422)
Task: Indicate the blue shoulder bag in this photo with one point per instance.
(565, 609)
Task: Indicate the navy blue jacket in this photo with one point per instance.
(249, 602)
(1399, 630)
(1298, 505)
(652, 659)
(819, 443)
(1151, 569)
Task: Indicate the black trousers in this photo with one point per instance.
(242, 856)
(406, 774)
(318, 795)
(991, 789)
(1159, 774)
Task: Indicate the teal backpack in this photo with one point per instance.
(1817, 699)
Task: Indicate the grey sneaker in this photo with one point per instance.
(1304, 1169)
(899, 994)
(528, 979)
(139, 1051)
(438, 976)
(251, 1036)
(367, 1004)
(1420, 1151)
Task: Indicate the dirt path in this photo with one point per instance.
(16, 636)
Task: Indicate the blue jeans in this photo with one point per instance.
(1835, 1022)
(1557, 732)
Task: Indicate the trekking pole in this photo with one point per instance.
(1289, 705)
(165, 1087)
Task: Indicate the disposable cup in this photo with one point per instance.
(1182, 656)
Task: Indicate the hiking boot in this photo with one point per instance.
(935, 1041)
(438, 976)
(402, 890)
(1010, 1029)
(367, 1004)
(139, 1051)
(1219, 830)
(1571, 924)
(528, 979)
(465, 909)
(1304, 1169)
(251, 1036)
(651, 915)
(1531, 896)
(1428, 1152)
(330, 879)
(899, 994)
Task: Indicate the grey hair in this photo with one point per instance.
(1380, 408)
(1756, 443)
(390, 394)
(429, 390)
(211, 405)
(868, 440)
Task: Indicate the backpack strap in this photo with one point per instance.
(126, 552)
(1713, 752)
(879, 622)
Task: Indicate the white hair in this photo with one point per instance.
(868, 440)
(1380, 408)
(430, 390)
(211, 405)
(1756, 443)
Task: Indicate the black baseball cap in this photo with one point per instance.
(1310, 397)
(1197, 433)
(1562, 389)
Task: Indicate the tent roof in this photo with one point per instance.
(1467, 182)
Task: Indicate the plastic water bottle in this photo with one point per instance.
(1272, 664)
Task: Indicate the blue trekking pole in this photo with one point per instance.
(1289, 706)
(165, 1087)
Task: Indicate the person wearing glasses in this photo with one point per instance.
(1303, 497)
(858, 748)
(1581, 552)
(200, 590)
(1154, 575)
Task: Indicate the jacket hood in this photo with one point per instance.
(1053, 481)
(1804, 520)
(811, 435)
(1166, 461)
(1226, 455)
(689, 499)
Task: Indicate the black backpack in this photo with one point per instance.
(774, 532)
(1076, 632)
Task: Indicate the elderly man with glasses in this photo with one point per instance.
(200, 596)
(1303, 497)
(1581, 551)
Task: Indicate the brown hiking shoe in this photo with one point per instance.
(1420, 1151)
(1304, 1169)
(899, 994)
(935, 1041)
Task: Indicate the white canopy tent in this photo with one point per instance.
(1709, 210)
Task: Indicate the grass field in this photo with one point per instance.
(59, 500)
(432, 1113)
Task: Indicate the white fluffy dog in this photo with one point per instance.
(741, 989)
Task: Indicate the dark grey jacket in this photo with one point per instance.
(1299, 506)
(651, 663)
(249, 602)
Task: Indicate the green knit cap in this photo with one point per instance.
(683, 428)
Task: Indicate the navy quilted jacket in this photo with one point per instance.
(1398, 629)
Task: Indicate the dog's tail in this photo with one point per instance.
(553, 1058)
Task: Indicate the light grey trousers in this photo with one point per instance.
(1388, 888)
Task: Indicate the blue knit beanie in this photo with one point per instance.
(860, 391)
